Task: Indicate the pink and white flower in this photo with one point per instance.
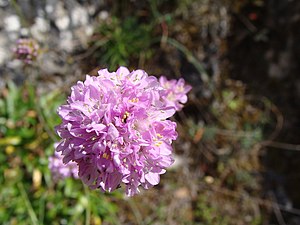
(115, 127)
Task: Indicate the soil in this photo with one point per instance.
(264, 53)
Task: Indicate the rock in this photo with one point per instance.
(79, 16)
(279, 70)
(103, 15)
(60, 27)
(83, 34)
(61, 17)
(5, 53)
(40, 29)
(66, 41)
(3, 3)
(52, 64)
(12, 23)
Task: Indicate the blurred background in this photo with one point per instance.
(237, 158)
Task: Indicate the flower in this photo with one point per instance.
(115, 127)
(26, 50)
(60, 170)
(175, 92)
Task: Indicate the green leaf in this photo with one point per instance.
(10, 140)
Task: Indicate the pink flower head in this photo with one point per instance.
(175, 92)
(60, 170)
(115, 127)
(26, 50)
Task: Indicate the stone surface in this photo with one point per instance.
(60, 27)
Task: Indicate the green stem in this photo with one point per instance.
(88, 210)
(37, 104)
(19, 13)
(28, 205)
(136, 212)
(191, 58)
(42, 207)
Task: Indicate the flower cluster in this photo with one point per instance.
(26, 50)
(115, 127)
(59, 170)
(175, 92)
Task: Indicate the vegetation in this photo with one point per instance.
(217, 177)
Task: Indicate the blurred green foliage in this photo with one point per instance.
(122, 40)
(209, 212)
(228, 142)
